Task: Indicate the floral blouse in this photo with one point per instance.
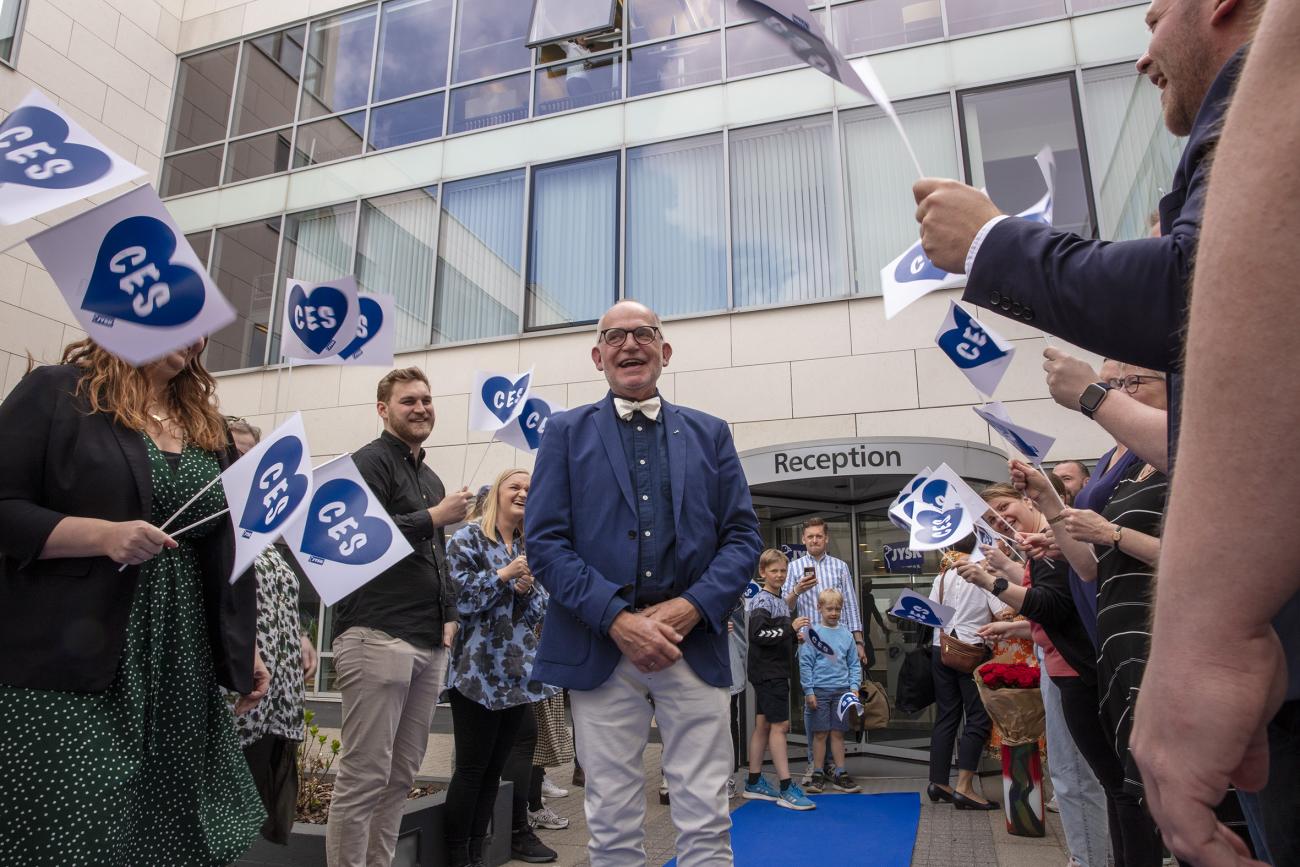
(492, 660)
(279, 640)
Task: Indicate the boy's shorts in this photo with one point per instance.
(773, 699)
(824, 718)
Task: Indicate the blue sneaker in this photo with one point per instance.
(793, 798)
(761, 791)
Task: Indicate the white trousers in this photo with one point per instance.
(612, 725)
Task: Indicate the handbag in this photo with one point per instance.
(554, 742)
(955, 653)
(875, 711)
(915, 680)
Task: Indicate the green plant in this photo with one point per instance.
(316, 755)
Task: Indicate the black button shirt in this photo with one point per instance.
(411, 599)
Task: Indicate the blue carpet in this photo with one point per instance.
(862, 830)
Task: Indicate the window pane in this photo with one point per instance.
(317, 246)
(657, 19)
(679, 63)
(575, 85)
(200, 242)
(553, 20)
(677, 226)
(880, 176)
(9, 10)
(734, 13)
(243, 266)
(330, 139)
(412, 47)
(337, 75)
(268, 80)
(572, 242)
(751, 49)
(965, 16)
(489, 103)
(395, 256)
(1089, 5)
(785, 214)
(187, 172)
(1006, 127)
(480, 243)
(201, 106)
(489, 39)
(875, 24)
(257, 156)
(411, 120)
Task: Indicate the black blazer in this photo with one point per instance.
(63, 622)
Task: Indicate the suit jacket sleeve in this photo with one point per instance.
(715, 591)
(25, 419)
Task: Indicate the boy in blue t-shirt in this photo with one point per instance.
(825, 678)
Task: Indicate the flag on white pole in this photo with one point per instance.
(497, 399)
(525, 432)
(320, 319)
(898, 516)
(376, 334)
(1028, 442)
(981, 354)
(922, 609)
(943, 510)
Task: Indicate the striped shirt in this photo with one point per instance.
(832, 574)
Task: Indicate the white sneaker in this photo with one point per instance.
(550, 790)
(1051, 805)
(546, 818)
(731, 788)
(806, 782)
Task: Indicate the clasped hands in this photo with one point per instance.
(650, 637)
(517, 574)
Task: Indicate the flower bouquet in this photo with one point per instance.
(1010, 695)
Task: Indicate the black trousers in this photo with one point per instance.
(519, 768)
(273, 761)
(1279, 801)
(955, 691)
(484, 741)
(1134, 838)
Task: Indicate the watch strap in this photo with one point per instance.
(1092, 396)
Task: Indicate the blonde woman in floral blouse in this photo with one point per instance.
(490, 684)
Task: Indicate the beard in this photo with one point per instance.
(409, 431)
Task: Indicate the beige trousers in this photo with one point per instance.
(612, 725)
(390, 689)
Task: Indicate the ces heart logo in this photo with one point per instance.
(36, 152)
(968, 344)
(500, 395)
(936, 518)
(915, 265)
(277, 489)
(1015, 439)
(339, 529)
(369, 323)
(922, 613)
(135, 279)
(316, 316)
(532, 420)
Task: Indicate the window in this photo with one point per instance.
(735, 13)
(572, 241)
(674, 64)
(413, 39)
(11, 12)
(333, 138)
(257, 155)
(489, 103)
(489, 40)
(192, 170)
(1004, 127)
(786, 225)
(1077, 6)
(659, 19)
(201, 108)
(677, 226)
(243, 266)
(874, 24)
(480, 252)
(751, 49)
(555, 20)
(396, 255)
(880, 176)
(968, 16)
(317, 246)
(577, 85)
(201, 242)
(269, 67)
(337, 74)
(410, 120)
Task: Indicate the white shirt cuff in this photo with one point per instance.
(979, 240)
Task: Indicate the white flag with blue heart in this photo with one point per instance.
(979, 352)
(47, 161)
(847, 702)
(497, 399)
(266, 489)
(912, 275)
(375, 339)
(131, 279)
(1028, 442)
(922, 609)
(525, 432)
(344, 538)
(320, 319)
(984, 535)
(900, 516)
(942, 510)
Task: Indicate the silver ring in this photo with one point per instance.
(652, 666)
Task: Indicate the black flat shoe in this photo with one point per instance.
(937, 794)
(961, 802)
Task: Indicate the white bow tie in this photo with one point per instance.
(648, 407)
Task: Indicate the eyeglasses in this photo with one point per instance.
(642, 334)
(1131, 382)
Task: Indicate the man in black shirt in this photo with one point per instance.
(393, 634)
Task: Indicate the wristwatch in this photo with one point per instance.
(1092, 397)
(1000, 586)
(1114, 539)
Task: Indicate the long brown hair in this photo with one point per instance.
(116, 388)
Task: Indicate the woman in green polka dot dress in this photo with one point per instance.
(116, 746)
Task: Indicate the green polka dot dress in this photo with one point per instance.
(148, 773)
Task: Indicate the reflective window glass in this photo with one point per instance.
(575, 85)
(573, 241)
(9, 12)
(658, 19)
(330, 139)
(190, 171)
(677, 226)
(751, 49)
(201, 103)
(480, 247)
(404, 122)
(1006, 126)
(257, 155)
(337, 73)
(268, 80)
(673, 64)
(1091, 5)
(412, 47)
(396, 251)
(734, 13)
(874, 24)
(966, 16)
(243, 266)
(201, 243)
(489, 39)
(553, 20)
(317, 246)
(489, 103)
(786, 228)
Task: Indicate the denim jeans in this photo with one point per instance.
(1078, 794)
(1271, 813)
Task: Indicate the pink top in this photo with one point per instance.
(1052, 660)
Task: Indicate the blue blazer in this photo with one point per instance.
(580, 528)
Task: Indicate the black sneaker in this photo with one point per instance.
(845, 783)
(817, 784)
(525, 846)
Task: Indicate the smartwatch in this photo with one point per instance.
(1000, 586)
(1092, 397)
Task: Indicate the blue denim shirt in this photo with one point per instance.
(645, 443)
